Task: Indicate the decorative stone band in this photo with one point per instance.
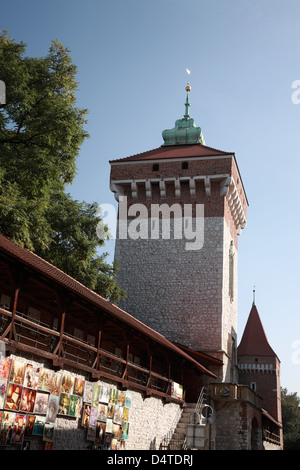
(228, 189)
(252, 367)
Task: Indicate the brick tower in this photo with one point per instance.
(259, 367)
(181, 209)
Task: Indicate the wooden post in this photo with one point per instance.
(14, 312)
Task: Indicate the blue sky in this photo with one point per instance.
(244, 57)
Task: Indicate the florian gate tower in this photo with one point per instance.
(181, 209)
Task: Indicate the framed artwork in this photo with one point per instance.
(17, 372)
(3, 390)
(56, 382)
(115, 431)
(114, 444)
(91, 433)
(125, 430)
(109, 425)
(95, 395)
(18, 429)
(86, 413)
(5, 364)
(128, 399)
(41, 403)
(28, 400)
(31, 378)
(113, 396)
(88, 392)
(75, 406)
(100, 432)
(67, 384)
(104, 394)
(64, 404)
(125, 414)
(107, 442)
(118, 416)
(110, 410)
(52, 409)
(79, 387)
(38, 427)
(45, 380)
(121, 398)
(8, 419)
(102, 412)
(48, 432)
(29, 426)
(13, 397)
(93, 416)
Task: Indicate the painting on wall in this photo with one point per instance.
(31, 378)
(67, 384)
(28, 400)
(102, 412)
(48, 432)
(29, 426)
(38, 427)
(52, 410)
(45, 380)
(75, 406)
(18, 429)
(5, 364)
(100, 432)
(41, 403)
(8, 419)
(88, 392)
(3, 390)
(86, 413)
(78, 387)
(13, 397)
(17, 372)
(104, 394)
(64, 404)
(56, 382)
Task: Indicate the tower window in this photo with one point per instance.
(155, 167)
(253, 386)
(185, 165)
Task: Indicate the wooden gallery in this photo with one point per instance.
(77, 371)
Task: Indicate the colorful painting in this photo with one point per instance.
(67, 384)
(56, 383)
(104, 394)
(29, 426)
(17, 372)
(102, 412)
(79, 387)
(121, 398)
(113, 396)
(41, 403)
(8, 419)
(28, 400)
(100, 432)
(110, 410)
(128, 399)
(125, 430)
(109, 425)
(64, 404)
(88, 392)
(38, 427)
(107, 442)
(75, 406)
(45, 380)
(18, 429)
(5, 364)
(31, 378)
(91, 433)
(86, 413)
(125, 414)
(93, 416)
(95, 395)
(52, 409)
(13, 397)
(118, 416)
(3, 390)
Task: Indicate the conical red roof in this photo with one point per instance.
(254, 341)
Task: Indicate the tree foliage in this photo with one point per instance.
(41, 132)
(291, 420)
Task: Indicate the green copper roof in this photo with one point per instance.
(185, 131)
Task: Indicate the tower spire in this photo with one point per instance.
(187, 102)
(253, 303)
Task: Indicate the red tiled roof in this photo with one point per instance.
(175, 151)
(254, 341)
(48, 270)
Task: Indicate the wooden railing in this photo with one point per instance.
(18, 332)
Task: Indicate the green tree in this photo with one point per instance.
(290, 420)
(41, 132)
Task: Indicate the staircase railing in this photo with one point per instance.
(202, 399)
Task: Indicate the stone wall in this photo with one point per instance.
(150, 419)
